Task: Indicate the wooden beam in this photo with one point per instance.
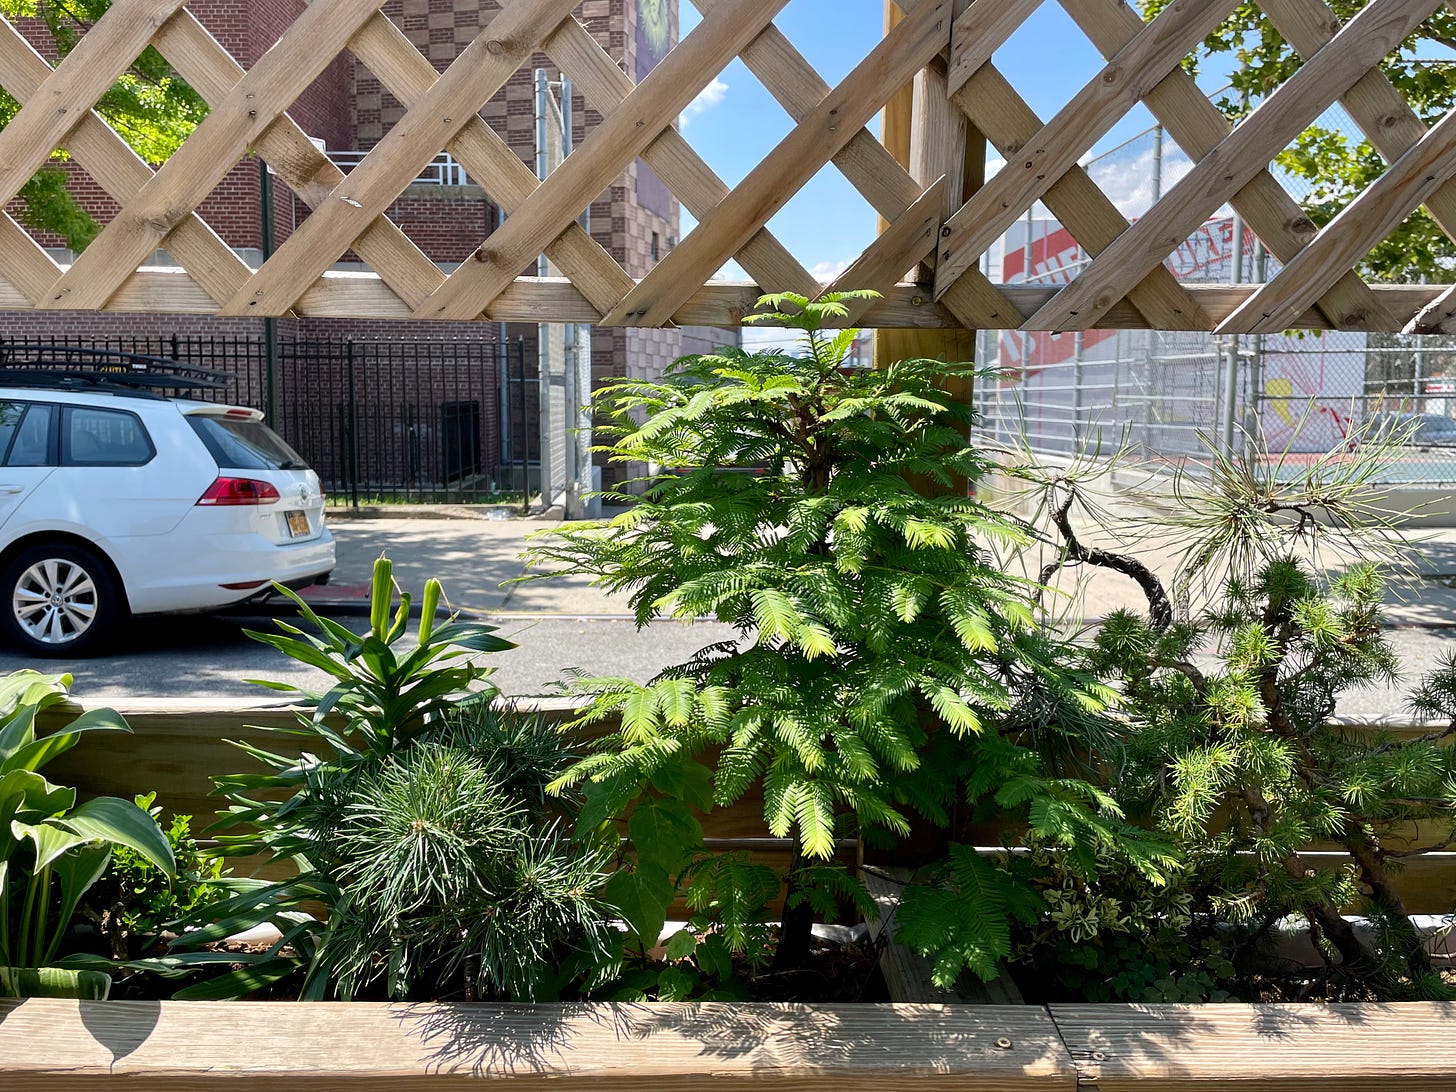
(1360, 45)
(1281, 1048)
(622, 135)
(340, 294)
(1050, 154)
(901, 245)
(65, 1046)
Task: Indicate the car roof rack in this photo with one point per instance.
(32, 364)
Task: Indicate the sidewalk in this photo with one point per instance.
(475, 560)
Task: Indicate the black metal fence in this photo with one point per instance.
(380, 421)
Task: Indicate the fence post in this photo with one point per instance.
(352, 448)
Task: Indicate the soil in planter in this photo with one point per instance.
(836, 973)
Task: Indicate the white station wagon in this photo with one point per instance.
(118, 500)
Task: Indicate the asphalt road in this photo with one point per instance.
(171, 660)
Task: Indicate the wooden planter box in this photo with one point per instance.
(58, 1046)
(69, 1046)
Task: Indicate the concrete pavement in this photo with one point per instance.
(564, 624)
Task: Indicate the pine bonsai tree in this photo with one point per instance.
(887, 664)
(1232, 746)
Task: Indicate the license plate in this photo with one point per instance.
(297, 523)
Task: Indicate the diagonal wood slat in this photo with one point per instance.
(865, 163)
(1198, 127)
(796, 159)
(1361, 44)
(591, 69)
(936, 61)
(1046, 157)
(997, 110)
(205, 158)
(213, 72)
(1350, 235)
(440, 113)
(118, 170)
(908, 239)
(68, 92)
(385, 51)
(620, 138)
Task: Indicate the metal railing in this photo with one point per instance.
(443, 170)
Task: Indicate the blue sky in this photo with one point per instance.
(735, 122)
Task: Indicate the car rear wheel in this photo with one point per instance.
(59, 600)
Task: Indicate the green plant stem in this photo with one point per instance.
(31, 947)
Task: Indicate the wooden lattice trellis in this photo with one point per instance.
(939, 222)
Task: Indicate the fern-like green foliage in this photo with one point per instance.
(887, 662)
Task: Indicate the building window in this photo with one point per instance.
(656, 246)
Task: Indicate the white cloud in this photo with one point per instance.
(708, 98)
(994, 165)
(825, 272)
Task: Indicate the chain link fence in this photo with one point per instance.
(1167, 395)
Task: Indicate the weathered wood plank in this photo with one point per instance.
(1360, 45)
(204, 159)
(1288, 1048)
(620, 138)
(1198, 126)
(1347, 238)
(66, 1046)
(1048, 155)
(795, 160)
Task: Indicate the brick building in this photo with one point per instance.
(446, 214)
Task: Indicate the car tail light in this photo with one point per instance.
(234, 491)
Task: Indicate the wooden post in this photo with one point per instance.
(930, 137)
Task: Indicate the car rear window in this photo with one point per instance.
(238, 443)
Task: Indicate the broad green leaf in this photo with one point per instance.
(111, 819)
(681, 945)
(641, 896)
(37, 753)
(664, 833)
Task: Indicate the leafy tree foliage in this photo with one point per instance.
(150, 107)
(1337, 166)
(888, 664)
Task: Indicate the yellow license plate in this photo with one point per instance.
(297, 523)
